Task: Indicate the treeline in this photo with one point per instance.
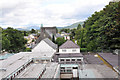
(101, 31)
(12, 40)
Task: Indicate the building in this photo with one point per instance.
(69, 47)
(46, 32)
(65, 35)
(69, 52)
(45, 50)
(44, 62)
(69, 58)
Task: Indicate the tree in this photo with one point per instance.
(32, 31)
(0, 39)
(79, 26)
(25, 33)
(103, 30)
(53, 39)
(72, 35)
(13, 40)
(60, 41)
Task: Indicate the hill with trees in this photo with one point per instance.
(101, 31)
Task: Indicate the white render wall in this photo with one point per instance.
(71, 50)
(43, 47)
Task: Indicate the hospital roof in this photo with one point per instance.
(68, 44)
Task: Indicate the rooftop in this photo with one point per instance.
(97, 71)
(50, 43)
(68, 44)
(91, 59)
(51, 69)
(110, 58)
(13, 62)
(32, 71)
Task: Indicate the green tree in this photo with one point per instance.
(13, 40)
(32, 31)
(103, 30)
(79, 26)
(53, 39)
(60, 41)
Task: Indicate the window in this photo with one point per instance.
(74, 50)
(78, 59)
(69, 71)
(62, 71)
(73, 59)
(64, 50)
(62, 67)
(67, 59)
(75, 67)
(61, 60)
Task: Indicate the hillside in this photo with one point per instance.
(74, 25)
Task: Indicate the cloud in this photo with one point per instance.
(21, 13)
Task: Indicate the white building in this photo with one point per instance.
(46, 45)
(69, 47)
(44, 50)
(65, 35)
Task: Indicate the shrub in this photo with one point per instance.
(83, 49)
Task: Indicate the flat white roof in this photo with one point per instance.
(50, 70)
(97, 71)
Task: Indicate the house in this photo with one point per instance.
(69, 47)
(65, 35)
(58, 36)
(70, 58)
(46, 45)
(45, 50)
(69, 53)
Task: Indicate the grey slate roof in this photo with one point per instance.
(58, 35)
(50, 43)
(69, 44)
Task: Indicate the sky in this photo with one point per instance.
(60, 13)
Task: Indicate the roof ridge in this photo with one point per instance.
(69, 44)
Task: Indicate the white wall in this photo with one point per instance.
(43, 47)
(67, 37)
(77, 50)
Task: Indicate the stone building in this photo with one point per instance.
(47, 32)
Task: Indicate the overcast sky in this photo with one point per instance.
(21, 13)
